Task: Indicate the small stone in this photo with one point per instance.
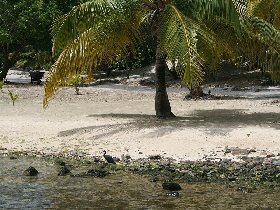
(128, 157)
(227, 150)
(232, 179)
(252, 150)
(154, 179)
(269, 155)
(245, 189)
(140, 153)
(31, 171)
(64, 171)
(276, 162)
(171, 186)
(13, 157)
(60, 162)
(236, 89)
(173, 194)
(238, 151)
(154, 157)
(100, 173)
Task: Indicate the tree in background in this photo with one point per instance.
(24, 31)
(257, 43)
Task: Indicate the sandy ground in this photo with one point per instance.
(121, 121)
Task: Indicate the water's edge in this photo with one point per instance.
(137, 184)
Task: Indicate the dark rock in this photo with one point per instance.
(31, 171)
(60, 162)
(245, 189)
(64, 171)
(154, 157)
(154, 179)
(173, 194)
(269, 155)
(232, 179)
(236, 89)
(127, 157)
(96, 159)
(227, 150)
(171, 186)
(252, 150)
(97, 173)
(13, 157)
(100, 173)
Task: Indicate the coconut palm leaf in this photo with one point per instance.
(101, 30)
(91, 42)
(178, 41)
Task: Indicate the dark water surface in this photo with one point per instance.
(117, 191)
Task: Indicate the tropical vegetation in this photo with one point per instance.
(25, 41)
(101, 30)
(196, 35)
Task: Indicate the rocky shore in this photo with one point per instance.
(232, 142)
(244, 175)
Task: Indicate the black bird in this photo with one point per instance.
(108, 158)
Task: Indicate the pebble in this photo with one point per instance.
(173, 194)
(64, 171)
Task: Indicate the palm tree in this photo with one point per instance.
(259, 41)
(100, 30)
(263, 46)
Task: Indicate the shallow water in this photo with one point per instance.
(117, 191)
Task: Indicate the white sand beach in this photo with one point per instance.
(120, 119)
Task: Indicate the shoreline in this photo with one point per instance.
(246, 176)
(122, 122)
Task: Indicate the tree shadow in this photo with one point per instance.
(213, 122)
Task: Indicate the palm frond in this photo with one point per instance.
(268, 10)
(89, 15)
(104, 41)
(82, 17)
(178, 42)
(228, 11)
(265, 32)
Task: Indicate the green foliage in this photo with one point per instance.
(101, 32)
(98, 31)
(24, 28)
(77, 81)
(13, 97)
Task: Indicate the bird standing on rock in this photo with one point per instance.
(108, 158)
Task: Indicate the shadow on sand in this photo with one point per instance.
(213, 122)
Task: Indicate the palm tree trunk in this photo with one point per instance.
(162, 105)
(5, 58)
